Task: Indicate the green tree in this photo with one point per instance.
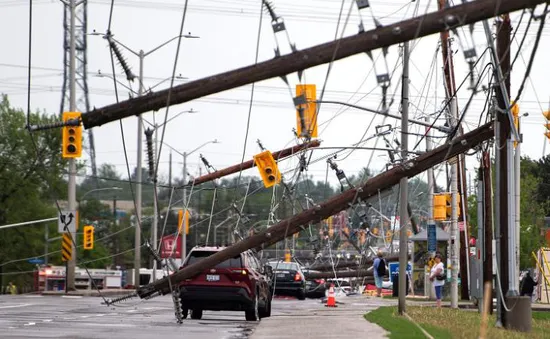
(31, 174)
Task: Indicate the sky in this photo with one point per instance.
(228, 36)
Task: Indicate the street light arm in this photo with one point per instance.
(99, 189)
(162, 45)
(215, 141)
(118, 82)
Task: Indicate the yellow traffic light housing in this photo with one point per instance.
(440, 207)
(448, 197)
(306, 114)
(546, 114)
(72, 136)
(183, 221)
(88, 237)
(268, 168)
(547, 133)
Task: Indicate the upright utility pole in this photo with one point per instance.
(403, 183)
(183, 227)
(137, 235)
(504, 144)
(455, 241)
(155, 207)
(70, 283)
(487, 224)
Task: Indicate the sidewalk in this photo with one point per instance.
(345, 321)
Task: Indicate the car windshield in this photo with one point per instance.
(197, 256)
(281, 266)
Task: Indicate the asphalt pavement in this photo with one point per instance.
(37, 316)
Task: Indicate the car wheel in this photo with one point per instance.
(253, 314)
(196, 314)
(265, 312)
(301, 294)
(184, 313)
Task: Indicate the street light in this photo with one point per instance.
(185, 155)
(141, 55)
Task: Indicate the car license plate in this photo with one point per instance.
(280, 275)
(212, 277)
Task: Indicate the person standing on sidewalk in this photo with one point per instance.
(437, 276)
(12, 289)
(379, 271)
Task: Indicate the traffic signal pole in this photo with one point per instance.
(71, 264)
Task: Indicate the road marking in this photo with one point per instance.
(15, 306)
(131, 311)
(29, 324)
(34, 296)
(100, 315)
(71, 296)
(47, 320)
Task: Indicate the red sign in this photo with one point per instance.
(167, 249)
(461, 226)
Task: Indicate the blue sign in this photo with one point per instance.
(394, 268)
(432, 238)
(37, 261)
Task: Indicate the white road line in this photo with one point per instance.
(47, 320)
(71, 296)
(29, 324)
(15, 306)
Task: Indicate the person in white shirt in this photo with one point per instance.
(437, 276)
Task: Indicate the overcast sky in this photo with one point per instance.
(228, 33)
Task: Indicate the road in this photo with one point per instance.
(30, 316)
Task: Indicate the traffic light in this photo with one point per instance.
(448, 197)
(440, 207)
(515, 114)
(183, 221)
(306, 113)
(88, 237)
(330, 227)
(268, 168)
(547, 124)
(72, 137)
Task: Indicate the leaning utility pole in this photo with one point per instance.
(81, 63)
(71, 264)
(454, 218)
(384, 36)
(287, 227)
(403, 183)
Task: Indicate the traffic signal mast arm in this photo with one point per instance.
(279, 155)
(289, 226)
(385, 36)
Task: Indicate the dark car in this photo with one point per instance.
(315, 287)
(288, 279)
(237, 284)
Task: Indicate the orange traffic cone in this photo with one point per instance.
(331, 300)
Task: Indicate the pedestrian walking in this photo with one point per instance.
(437, 277)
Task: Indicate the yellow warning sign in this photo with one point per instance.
(66, 247)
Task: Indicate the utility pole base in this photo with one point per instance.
(519, 318)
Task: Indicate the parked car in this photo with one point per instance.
(315, 288)
(288, 279)
(237, 284)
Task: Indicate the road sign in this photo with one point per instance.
(66, 247)
(432, 238)
(394, 268)
(37, 261)
(66, 218)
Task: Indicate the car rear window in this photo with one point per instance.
(283, 266)
(197, 256)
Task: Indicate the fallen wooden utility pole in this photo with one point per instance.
(289, 226)
(385, 36)
(249, 164)
(363, 263)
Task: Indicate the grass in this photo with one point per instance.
(450, 323)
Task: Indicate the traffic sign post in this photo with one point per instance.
(66, 221)
(432, 238)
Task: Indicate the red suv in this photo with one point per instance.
(237, 284)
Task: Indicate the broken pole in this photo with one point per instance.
(385, 36)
